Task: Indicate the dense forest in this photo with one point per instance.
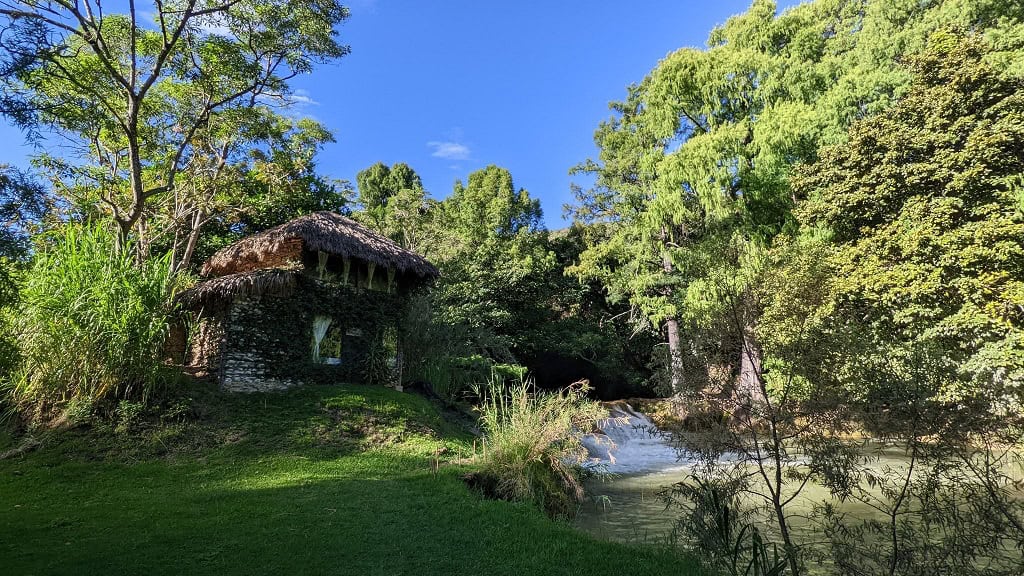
(806, 235)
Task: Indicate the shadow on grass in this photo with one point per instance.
(305, 520)
(319, 422)
(318, 480)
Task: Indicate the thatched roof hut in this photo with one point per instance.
(316, 298)
(325, 232)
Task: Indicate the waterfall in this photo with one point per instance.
(630, 443)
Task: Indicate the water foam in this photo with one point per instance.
(630, 443)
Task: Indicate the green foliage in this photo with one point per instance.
(893, 307)
(91, 323)
(494, 258)
(378, 184)
(693, 177)
(23, 205)
(453, 378)
(715, 526)
(395, 204)
(502, 297)
(489, 207)
(160, 115)
(532, 450)
(269, 176)
(447, 357)
(583, 334)
(922, 213)
(380, 361)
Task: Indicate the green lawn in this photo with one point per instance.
(321, 480)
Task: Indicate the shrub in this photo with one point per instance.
(92, 321)
(532, 448)
(716, 526)
(451, 358)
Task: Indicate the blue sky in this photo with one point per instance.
(452, 86)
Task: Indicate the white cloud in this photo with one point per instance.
(449, 150)
(303, 98)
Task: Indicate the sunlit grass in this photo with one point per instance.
(322, 480)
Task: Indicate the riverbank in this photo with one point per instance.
(320, 480)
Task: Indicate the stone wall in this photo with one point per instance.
(247, 372)
(265, 343)
(252, 346)
(205, 343)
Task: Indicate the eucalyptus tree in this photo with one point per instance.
(141, 97)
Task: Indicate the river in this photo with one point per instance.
(643, 463)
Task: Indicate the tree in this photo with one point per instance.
(894, 309)
(395, 204)
(136, 99)
(493, 258)
(920, 213)
(694, 182)
(923, 206)
(23, 204)
(694, 169)
(584, 336)
(635, 262)
(690, 180)
(253, 176)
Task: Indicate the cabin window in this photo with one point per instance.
(330, 347)
(321, 324)
(332, 342)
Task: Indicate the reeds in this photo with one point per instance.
(92, 321)
(532, 449)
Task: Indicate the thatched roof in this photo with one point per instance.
(322, 231)
(273, 282)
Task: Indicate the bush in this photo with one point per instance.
(92, 321)
(532, 449)
(451, 358)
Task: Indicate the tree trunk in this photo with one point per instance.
(675, 354)
(787, 540)
(675, 350)
(748, 390)
(198, 219)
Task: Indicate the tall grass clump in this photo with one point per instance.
(532, 448)
(92, 321)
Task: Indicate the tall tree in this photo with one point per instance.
(395, 204)
(136, 99)
(251, 178)
(494, 257)
(922, 207)
(694, 169)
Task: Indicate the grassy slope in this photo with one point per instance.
(322, 480)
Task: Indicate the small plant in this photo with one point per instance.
(179, 410)
(79, 411)
(717, 527)
(129, 414)
(532, 449)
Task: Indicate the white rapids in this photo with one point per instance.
(630, 443)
